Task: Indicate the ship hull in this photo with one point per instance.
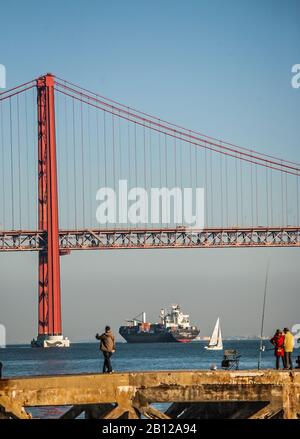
(162, 337)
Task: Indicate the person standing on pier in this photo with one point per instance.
(107, 347)
(278, 342)
(288, 348)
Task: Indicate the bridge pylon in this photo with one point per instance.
(49, 295)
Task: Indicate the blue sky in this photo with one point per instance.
(223, 68)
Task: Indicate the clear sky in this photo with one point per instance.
(223, 68)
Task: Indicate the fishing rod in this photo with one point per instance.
(261, 347)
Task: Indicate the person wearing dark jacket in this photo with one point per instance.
(278, 343)
(107, 347)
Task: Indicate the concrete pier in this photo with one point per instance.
(200, 394)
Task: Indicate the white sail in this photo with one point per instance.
(220, 341)
(214, 336)
(215, 342)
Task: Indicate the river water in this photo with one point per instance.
(22, 360)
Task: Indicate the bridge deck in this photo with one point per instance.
(131, 394)
(105, 239)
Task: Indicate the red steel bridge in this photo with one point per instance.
(60, 143)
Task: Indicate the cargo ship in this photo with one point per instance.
(173, 327)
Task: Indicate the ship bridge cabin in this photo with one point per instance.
(175, 318)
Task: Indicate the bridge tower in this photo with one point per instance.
(49, 297)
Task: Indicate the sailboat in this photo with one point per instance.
(215, 342)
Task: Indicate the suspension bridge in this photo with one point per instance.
(60, 143)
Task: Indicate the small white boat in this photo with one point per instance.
(215, 342)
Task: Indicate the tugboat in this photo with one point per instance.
(173, 327)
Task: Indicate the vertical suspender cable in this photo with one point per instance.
(211, 191)
(151, 164)
(129, 154)
(120, 146)
(113, 153)
(98, 149)
(74, 162)
(151, 158)
(271, 196)
(105, 151)
(82, 165)
(286, 199)
(181, 163)
(256, 193)
(35, 153)
(236, 191)
(175, 162)
(206, 187)
(221, 190)
(180, 167)
(242, 192)
(19, 162)
(226, 188)
(135, 154)
(27, 162)
(145, 170)
(61, 187)
(180, 172)
(191, 163)
(282, 197)
(160, 159)
(166, 160)
(196, 166)
(89, 166)
(113, 150)
(11, 167)
(160, 168)
(67, 162)
(267, 196)
(297, 195)
(166, 172)
(251, 188)
(120, 152)
(3, 167)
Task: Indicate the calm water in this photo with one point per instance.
(85, 357)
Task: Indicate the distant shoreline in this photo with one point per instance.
(202, 339)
